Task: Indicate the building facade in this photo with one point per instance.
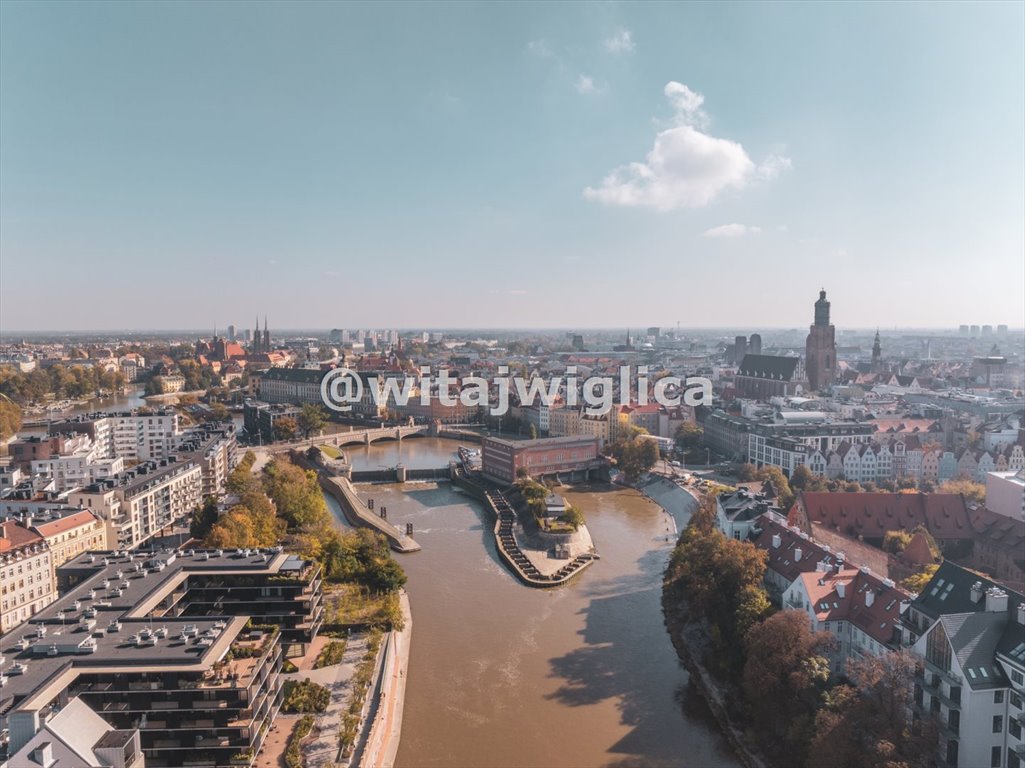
(820, 348)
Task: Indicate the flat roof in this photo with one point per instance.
(82, 639)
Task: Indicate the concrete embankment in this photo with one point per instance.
(358, 514)
(352, 506)
(386, 727)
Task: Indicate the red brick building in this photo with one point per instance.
(502, 459)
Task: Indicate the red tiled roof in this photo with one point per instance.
(876, 620)
(16, 536)
(64, 524)
(871, 515)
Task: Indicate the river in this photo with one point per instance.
(505, 675)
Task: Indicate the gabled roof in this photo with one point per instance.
(974, 638)
(64, 524)
(871, 515)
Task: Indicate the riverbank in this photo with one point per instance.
(386, 727)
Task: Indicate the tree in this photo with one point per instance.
(973, 492)
(917, 581)
(784, 496)
(296, 494)
(801, 478)
(241, 480)
(572, 516)
(689, 438)
(218, 412)
(10, 418)
(533, 431)
(747, 473)
(784, 676)
(285, 428)
(896, 542)
(312, 418)
(204, 518)
(867, 725)
(634, 454)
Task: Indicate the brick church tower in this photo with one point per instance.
(820, 348)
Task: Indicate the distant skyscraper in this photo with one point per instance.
(987, 330)
(1002, 330)
(231, 333)
(820, 348)
(754, 344)
(654, 331)
(964, 330)
(975, 331)
(578, 342)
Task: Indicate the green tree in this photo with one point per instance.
(312, 418)
(801, 477)
(917, 581)
(572, 516)
(689, 438)
(204, 518)
(747, 473)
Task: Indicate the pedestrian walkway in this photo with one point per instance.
(322, 751)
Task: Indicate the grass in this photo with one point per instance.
(355, 605)
(330, 451)
(330, 654)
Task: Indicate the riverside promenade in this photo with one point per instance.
(386, 727)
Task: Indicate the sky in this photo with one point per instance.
(186, 165)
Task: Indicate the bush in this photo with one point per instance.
(332, 653)
(293, 752)
(305, 696)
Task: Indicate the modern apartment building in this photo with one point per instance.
(184, 647)
(133, 436)
(969, 634)
(139, 503)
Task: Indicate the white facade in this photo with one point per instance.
(1005, 493)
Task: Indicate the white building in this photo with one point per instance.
(1005, 493)
(970, 636)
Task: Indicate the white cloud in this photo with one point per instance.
(686, 167)
(540, 49)
(621, 42)
(731, 230)
(586, 85)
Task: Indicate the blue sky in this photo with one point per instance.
(567, 165)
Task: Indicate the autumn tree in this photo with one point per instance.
(916, 582)
(296, 494)
(801, 478)
(784, 496)
(747, 473)
(634, 453)
(10, 418)
(204, 518)
(784, 676)
(241, 479)
(285, 428)
(867, 725)
(973, 492)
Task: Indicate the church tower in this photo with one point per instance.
(256, 336)
(877, 354)
(266, 336)
(820, 348)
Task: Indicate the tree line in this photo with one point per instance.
(776, 670)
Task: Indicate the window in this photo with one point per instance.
(994, 757)
(998, 697)
(1014, 728)
(1013, 761)
(998, 723)
(1015, 700)
(952, 752)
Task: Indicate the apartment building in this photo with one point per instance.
(133, 436)
(139, 503)
(26, 575)
(185, 648)
(69, 532)
(214, 448)
(969, 635)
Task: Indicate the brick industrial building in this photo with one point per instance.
(503, 459)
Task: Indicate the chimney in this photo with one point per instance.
(904, 605)
(841, 588)
(976, 593)
(870, 597)
(776, 541)
(1021, 613)
(996, 600)
(797, 555)
(43, 754)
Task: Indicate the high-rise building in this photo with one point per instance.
(231, 333)
(820, 348)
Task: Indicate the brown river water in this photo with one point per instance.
(505, 675)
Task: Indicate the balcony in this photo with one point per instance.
(950, 677)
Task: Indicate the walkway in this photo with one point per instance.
(386, 729)
(322, 750)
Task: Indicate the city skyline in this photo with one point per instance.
(565, 166)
